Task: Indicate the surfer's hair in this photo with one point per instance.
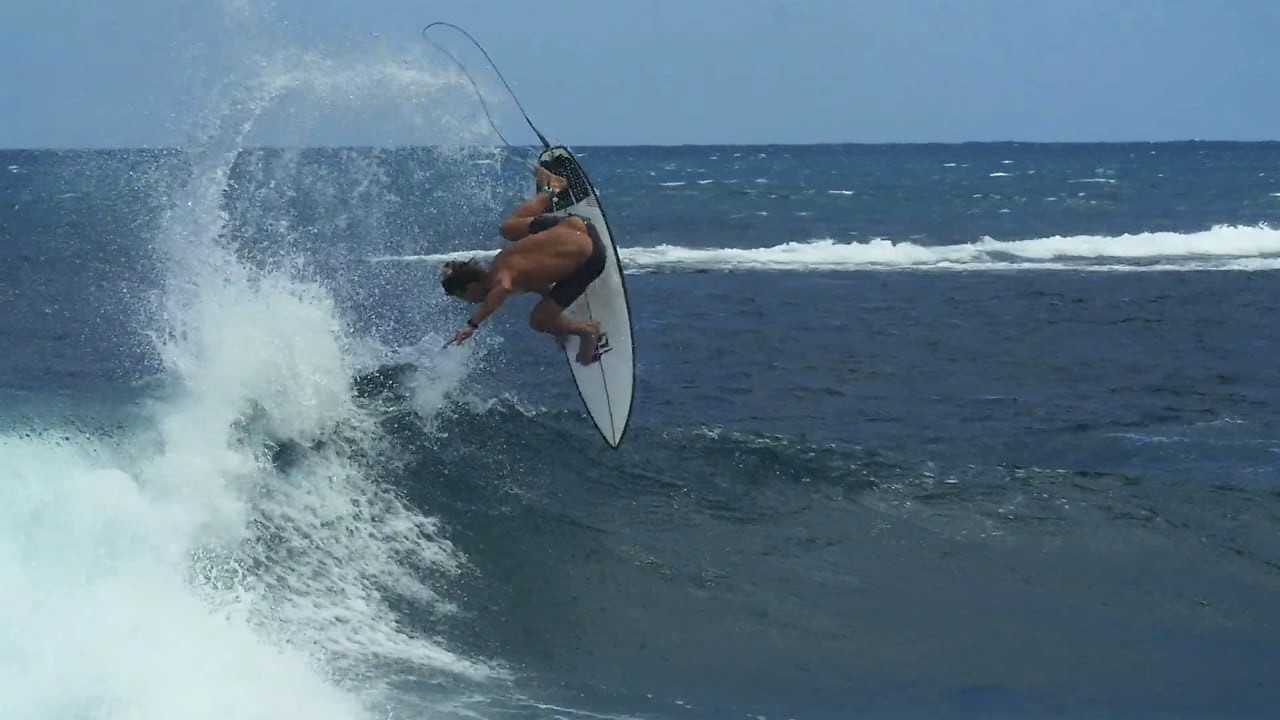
(456, 275)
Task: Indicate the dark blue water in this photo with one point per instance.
(948, 431)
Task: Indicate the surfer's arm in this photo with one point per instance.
(501, 291)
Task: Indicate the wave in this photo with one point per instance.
(1225, 247)
(175, 567)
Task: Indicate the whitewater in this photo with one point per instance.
(1220, 248)
(156, 559)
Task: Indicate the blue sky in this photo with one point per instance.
(140, 72)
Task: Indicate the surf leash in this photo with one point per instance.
(545, 144)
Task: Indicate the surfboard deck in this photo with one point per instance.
(606, 386)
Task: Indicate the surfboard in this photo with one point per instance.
(606, 386)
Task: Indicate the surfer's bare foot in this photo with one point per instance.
(590, 338)
(545, 178)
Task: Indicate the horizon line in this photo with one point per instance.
(913, 143)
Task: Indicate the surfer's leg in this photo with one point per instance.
(549, 317)
(587, 346)
(516, 227)
(566, 244)
(567, 290)
(544, 178)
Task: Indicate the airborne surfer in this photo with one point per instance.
(557, 257)
(563, 249)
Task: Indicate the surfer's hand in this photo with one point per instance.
(460, 336)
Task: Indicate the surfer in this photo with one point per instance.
(557, 257)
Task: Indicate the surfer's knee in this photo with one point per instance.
(580, 241)
(576, 223)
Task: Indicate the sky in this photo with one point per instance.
(144, 73)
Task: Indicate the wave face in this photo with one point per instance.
(679, 567)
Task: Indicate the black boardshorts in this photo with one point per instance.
(571, 288)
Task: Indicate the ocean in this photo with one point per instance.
(920, 431)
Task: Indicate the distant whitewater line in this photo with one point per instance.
(1226, 247)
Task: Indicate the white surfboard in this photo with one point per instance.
(606, 385)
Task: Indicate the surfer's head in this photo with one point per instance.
(463, 280)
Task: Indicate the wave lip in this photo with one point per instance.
(1220, 248)
(1220, 241)
(1224, 247)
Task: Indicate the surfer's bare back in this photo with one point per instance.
(555, 257)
